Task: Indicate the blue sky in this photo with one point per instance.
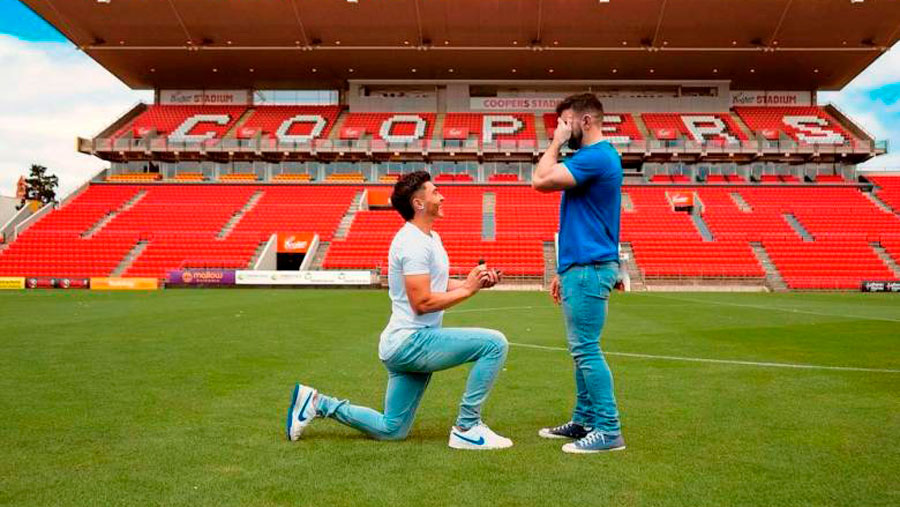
(19, 21)
(53, 93)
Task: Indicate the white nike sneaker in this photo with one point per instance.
(301, 412)
(477, 438)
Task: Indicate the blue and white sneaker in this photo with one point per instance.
(301, 412)
(571, 430)
(477, 438)
(596, 441)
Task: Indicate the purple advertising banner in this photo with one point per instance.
(200, 276)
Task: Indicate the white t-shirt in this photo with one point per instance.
(412, 253)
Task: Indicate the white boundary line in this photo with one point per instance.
(691, 300)
(775, 308)
(474, 310)
(554, 307)
(721, 361)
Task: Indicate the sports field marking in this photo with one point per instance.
(776, 308)
(721, 361)
(691, 300)
(554, 307)
(474, 310)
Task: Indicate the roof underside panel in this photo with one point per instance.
(775, 44)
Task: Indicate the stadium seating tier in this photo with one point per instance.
(185, 226)
(809, 124)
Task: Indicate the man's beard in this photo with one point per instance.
(574, 142)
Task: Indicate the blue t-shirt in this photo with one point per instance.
(590, 211)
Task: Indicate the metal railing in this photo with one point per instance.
(449, 146)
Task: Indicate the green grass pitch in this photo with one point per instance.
(179, 397)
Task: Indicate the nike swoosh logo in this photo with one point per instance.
(480, 440)
(303, 408)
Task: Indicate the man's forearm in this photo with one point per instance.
(437, 301)
(547, 161)
(453, 284)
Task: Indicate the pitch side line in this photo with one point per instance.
(473, 310)
(547, 307)
(775, 308)
(721, 361)
(690, 300)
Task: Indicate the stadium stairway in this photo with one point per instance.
(741, 203)
(232, 132)
(439, 122)
(349, 215)
(94, 229)
(878, 202)
(320, 255)
(233, 221)
(642, 127)
(343, 229)
(549, 251)
(634, 272)
(129, 258)
(540, 130)
(702, 228)
(335, 133)
(488, 216)
(887, 190)
(627, 203)
(259, 250)
(740, 124)
(774, 280)
(886, 258)
(798, 227)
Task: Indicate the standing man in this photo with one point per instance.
(414, 345)
(591, 182)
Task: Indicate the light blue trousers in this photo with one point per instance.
(585, 297)
(409, 370)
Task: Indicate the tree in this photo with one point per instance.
(40, 186)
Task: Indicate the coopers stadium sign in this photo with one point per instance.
(771, 99)
(204, 97)
(514, 103)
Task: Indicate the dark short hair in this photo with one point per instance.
(581, 103)
(406, 186)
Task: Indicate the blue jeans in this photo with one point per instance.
(409, 370)
(585, 297)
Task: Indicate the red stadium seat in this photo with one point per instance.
(699, 127)
(290, 123)
(366, 246)
(810, 124)
(888, 190)
(492, 127)
(184, 123)
(618, 128)
(180, 224)
(389, 127)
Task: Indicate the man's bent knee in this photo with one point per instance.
(394, 430)
(499, 341)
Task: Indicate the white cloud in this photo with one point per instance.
(883, 71)
(50, 94)
(878, 119)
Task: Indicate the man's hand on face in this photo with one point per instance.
(563, 131)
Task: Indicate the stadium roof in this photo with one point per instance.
(295, 44)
